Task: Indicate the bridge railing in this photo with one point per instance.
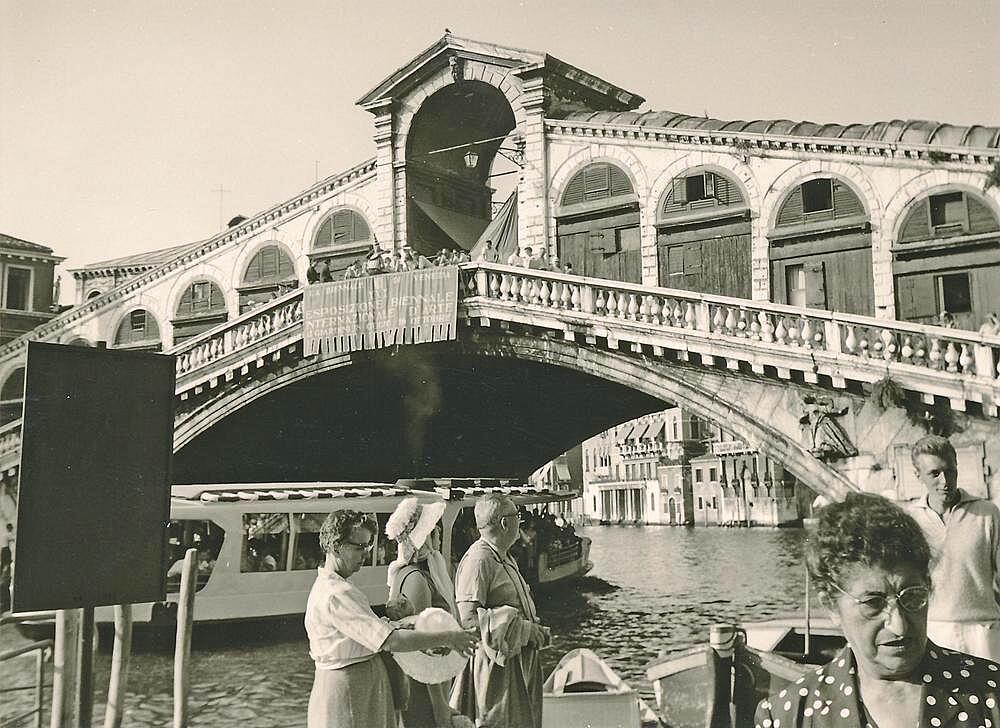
(244, 333)
(929, 348)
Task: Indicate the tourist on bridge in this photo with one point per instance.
(419, 579)
(870, 563)
(351, 688)
(964, 534)
(504, 689)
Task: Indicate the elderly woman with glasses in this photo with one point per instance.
(351, 688)
(869, 561)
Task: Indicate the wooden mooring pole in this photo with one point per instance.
(722, 638)
(182, 648)
(120, 659)
(65, 666)
(85, 672)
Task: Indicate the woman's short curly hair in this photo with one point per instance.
(866, 530)
(338, 526)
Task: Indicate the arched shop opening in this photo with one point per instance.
(452, 145)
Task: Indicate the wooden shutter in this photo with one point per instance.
(815, 284)
(677, 198)
(845, 202)
(343, 227)
(675, 260)
(574, 190)
(620, 184)
(324, 238)
(981, 219)
(791, 211)
(597, 182)
(915, 297)
(917, 225)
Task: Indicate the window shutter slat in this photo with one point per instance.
(791, 211)
(917, 224)
(845, 202)
(981, 219)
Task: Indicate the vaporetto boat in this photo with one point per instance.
(259, 543)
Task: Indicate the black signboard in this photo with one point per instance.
(94, 487)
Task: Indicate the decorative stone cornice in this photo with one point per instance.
(747, 143)
(282, 211)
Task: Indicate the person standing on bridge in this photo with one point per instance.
(504, 689)
(964, 535)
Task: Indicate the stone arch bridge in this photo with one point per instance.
(544, 360)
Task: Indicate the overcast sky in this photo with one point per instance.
(120, 120)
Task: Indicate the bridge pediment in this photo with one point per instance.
(569, 88)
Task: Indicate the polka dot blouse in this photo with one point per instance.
(958, 690)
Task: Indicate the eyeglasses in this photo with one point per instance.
(910, 599)
(366, 547)
(515, 514)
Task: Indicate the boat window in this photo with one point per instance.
(307, 554)
(205, 536)
(387, 548)
(265, 542)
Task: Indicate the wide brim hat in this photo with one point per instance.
(426, 666)
(414, 519)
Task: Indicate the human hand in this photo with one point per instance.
(463, 641)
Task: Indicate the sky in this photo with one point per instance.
(120, 121)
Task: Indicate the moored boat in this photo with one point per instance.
(721, 683)
(583, 690)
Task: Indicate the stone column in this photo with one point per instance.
(384, 225)
(532, 187)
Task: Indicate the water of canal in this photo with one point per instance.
(651, 589)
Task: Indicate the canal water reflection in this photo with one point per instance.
(652, 589)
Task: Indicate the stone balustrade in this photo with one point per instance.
(953, 363)
(201, 353)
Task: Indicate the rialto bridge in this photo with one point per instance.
(777, 278)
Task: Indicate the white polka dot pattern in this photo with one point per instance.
(958, 690)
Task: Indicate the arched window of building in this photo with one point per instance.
(703, 235)
(946, 257)
(12, 396)
(138, 330)
(597, 224)
(202, 306)
(269, 274)
(342, 238)
(93, 294)
(820, 249)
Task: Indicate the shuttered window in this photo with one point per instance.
(947, 214)
(138, 327)
(696, 191)
(200, 298)
(817, 200)
(269, 264)
(342, 228)
(915, 297)
(597, 181)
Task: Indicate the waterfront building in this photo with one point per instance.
(672, 468)
(27, 275)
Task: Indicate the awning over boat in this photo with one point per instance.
(463, 229)
(502, 230)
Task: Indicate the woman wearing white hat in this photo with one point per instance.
(419, 579)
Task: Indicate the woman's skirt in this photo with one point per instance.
(356, 696)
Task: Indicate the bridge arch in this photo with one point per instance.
(632, 387)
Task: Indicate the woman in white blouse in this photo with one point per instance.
(351, 688)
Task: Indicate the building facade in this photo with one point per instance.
(671, 468)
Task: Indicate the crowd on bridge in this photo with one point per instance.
(381, 261)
